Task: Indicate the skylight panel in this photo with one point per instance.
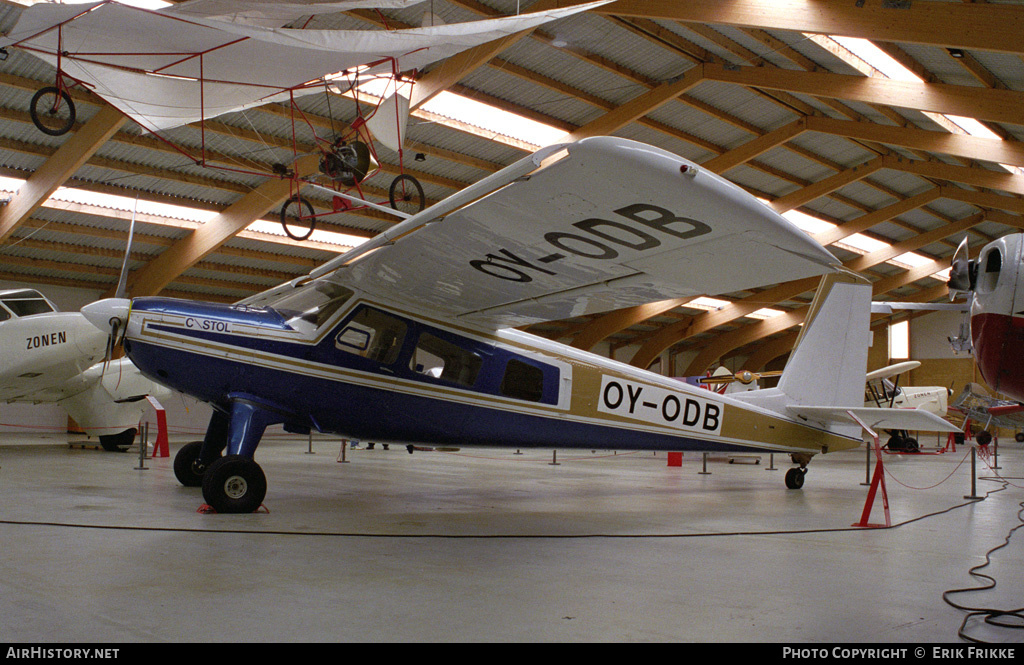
(476, 117)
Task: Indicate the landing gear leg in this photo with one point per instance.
(235, 483)
(191, 462)
(795, 477)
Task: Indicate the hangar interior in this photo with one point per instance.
(881, 129)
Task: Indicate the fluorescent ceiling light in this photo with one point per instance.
(169, 212)
(766, 313)
(706, 303)
(146, 4)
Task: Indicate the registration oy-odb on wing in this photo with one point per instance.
(659, 406)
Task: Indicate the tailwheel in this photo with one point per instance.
(234, 484)
(795, 478)
(188, 468)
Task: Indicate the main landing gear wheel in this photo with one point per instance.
(187, 468)
(298, 218)
(118, 443)
(234, 484)
(406, 194)
(52, 111)
(795, 478)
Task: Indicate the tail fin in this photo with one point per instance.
(824, 378)
(830, 359)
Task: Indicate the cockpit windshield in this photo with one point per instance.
(25, 302)
(311, 306)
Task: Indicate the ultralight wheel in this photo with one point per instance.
(187, 468)
(298, 218)
(52, 111)
(406, 194)
(234, 484)
(795, 478)
(1019, 437)
(118, 443)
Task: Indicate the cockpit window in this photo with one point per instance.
(27, 306)
(373, 334)
(310, 307)
(4, 314)
(988, 276)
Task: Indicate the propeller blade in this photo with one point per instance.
(960, 271)
(122, 280)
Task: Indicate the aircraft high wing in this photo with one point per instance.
(408, 337)
(58, 357)
(601, 224)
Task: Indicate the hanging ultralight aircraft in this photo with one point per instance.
(410, 337)
(58, 357)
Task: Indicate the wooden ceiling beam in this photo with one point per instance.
(971, 147)
(189, 250)
(74, 152)
(981, 103)
(985, 27)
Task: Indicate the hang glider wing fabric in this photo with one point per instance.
(164, 70)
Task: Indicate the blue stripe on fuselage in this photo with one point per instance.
(370, 413)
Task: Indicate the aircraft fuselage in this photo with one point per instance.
(377, 373)
(997, 315)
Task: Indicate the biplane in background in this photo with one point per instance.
(58, 357)
(197, 60)
(411, 337)
(882, 388)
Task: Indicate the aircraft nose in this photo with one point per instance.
(102, 312)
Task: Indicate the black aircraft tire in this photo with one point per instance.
(795, 479)
(298, 218)
(118, 443)
(234, 484)
(406, 194)
(187, 468)
(46, 119)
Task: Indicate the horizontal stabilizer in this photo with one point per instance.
(878, 307)
(875, 417)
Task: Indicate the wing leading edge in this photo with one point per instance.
(611, 223)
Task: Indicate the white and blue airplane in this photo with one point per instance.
(412, 337)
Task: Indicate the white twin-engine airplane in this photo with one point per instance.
(410, 337)
(50, 356)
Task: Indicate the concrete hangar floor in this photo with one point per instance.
(485, 544)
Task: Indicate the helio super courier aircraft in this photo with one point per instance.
(411, 337)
